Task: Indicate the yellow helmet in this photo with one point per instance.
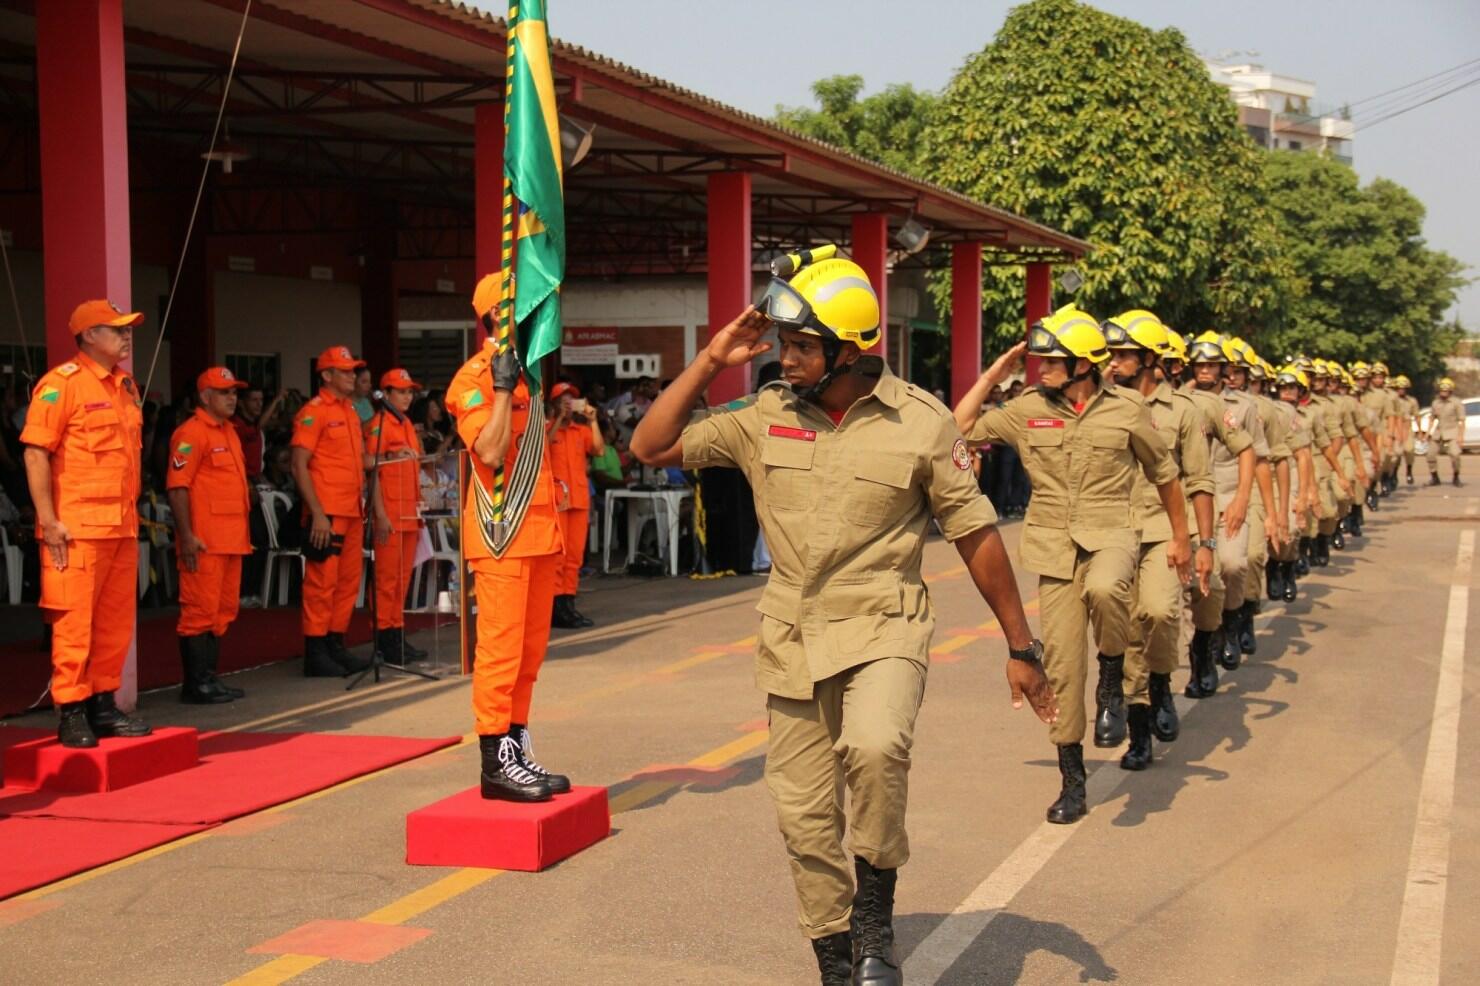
(1446, 383)
(1210, 347)
(831, 298)
(1269, 371)
(1379, 368)
(1360, 370)
(1402, 382)
(1066, 334)
(1241, 353)
(1137, 329)
(1177, 345)
(1292, 373)
(1257, 371)
(1319, 368)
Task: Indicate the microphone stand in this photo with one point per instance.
(377, 659)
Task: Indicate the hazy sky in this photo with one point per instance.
(756, 55)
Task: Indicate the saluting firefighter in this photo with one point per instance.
(574, 437)
(848, 466)
(497, 417)
(1082, 443)
(82, 438)
(392, 448)
(329, 469)
(211, 503)
(1446, 431)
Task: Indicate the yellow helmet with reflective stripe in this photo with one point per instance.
(1446, 383)
(1137, 329)
(1360, 370)
(1068, 333)
(1320, 368)
(1292, 373)
(842, 302)
(1241, 353)
(1379, 368)
(1210, 347)
(1402, 382)
(1177, 344)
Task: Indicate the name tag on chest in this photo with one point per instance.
(1045, 422)
(97, 406)
(795, 434)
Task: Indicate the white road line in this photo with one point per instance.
(1421, 924)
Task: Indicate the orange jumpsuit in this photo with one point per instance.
(569, 450)
(399, 480)
(89, 419)
(206, 459)
(515, 593)
(330, 429)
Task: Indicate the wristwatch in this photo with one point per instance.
(1210, 543)
(1032, 652)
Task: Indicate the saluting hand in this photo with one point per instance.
(189, 549)
(56, 537)
(1006, 363)
(1028, 678)
(740, 342)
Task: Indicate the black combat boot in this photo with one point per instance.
(504, 776)
(1274, 580)
(1371, 498)
(561, 616)
(340, 655)
(1230, 654)
(1356, 520)
(872, 926)
(390, 644)
(1337, 539)
(581, 618)
(73, 731)
(197, 687)
(1195, 651)
(1110, 703)
(1246, 640)
(214, 650)
(1455, 480)
(412, 652)
(1290, 584)
(1212, 647)
(107, 719)
(1071, 806)
(1138, 755)
(559, 783)
(1302, 559)
(1165, 724)
(834, 958)
(1320, 555)
(316, 660)
(1409, 471)
(1433, 479)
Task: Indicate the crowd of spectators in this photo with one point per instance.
(1000, 472)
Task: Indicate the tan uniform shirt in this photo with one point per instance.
(1338, 426)
(1082, 466)
(1297, 429)
(1239, 414)
(844, 510)
(1380, 406)
(1353, 417)
(1448, 416)
(1179, 422)
(1276, 427)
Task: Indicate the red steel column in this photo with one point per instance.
(871, 252)
(966, 318)
(730, 278)
(84, 161)
(1039, 303)
(488, 191)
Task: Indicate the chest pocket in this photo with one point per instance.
(788, 480)
(221, 458)
(1109, 445)
(881, 488)
(103, 430)
(1045, 448)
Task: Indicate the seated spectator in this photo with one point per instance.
(438, 489)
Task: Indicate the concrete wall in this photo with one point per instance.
(294, 317)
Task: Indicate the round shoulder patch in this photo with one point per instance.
(961, 455)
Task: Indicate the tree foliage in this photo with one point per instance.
(1367, 286)
(1106, 129)
(884, 127)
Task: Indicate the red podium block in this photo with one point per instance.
(114, 763)
(465, 830)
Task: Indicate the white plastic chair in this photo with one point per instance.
(276, 553)
(13, 564)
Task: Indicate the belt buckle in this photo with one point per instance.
(499, 530)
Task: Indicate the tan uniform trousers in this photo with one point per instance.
(1156, 618)
(1293, 520)
(1408, 452)
(1349, 470)
(1098, 599)
(1258, 552)
(1328, 491)
(856, 729)
(1448, 446)
(1233, 554)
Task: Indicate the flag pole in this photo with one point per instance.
(505, 324)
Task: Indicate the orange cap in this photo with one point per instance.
(101, 312)
(338, 358)
(562, 388)
(487, 293)
(398, 378)
(219, 378)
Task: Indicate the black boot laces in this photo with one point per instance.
(514, 768)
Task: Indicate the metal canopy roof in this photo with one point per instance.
(381, 94)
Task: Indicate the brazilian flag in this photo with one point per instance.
(533, 166)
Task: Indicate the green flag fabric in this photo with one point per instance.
(533, 166)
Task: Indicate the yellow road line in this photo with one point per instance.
(428, 897)
(279, 970)
(955, 643)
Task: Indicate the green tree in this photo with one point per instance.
(1367, 286)
(885, 127)
(1106, 129)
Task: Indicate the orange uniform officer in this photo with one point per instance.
(493, 408)
(391, 449)
(82, 437)
(329, 468)
(574, 437)
(209, 496)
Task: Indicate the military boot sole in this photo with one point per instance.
(194, 696)
(499, 789)
(128, 730)
(1066, 814)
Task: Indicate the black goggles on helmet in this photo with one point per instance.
(784, 305)
(1042, 342)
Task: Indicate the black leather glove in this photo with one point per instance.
(505, 369)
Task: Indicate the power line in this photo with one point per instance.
(1410, 85)
(1405, 109)
(1435, 84)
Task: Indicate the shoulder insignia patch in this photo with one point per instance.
(472, 399)
(1230, 420)
(736, 404)
(306, 421)
(184, 448)
(49, 394)
(67, 369)
(961, 455)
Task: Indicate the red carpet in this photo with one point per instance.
(239, 773)
(259, 636)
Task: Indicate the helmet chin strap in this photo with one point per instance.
(831, 349)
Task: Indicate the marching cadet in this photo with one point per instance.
(211, 503)
(1305, 432)
(1082, 443)
(515, 558)
(82, 439)
(392, 448)
(1246, 374)
(1209, 356)
(575, 437)
(848, 466)
(329, 470)
(1354, 458)
(1388, 411)
(1371, 412)
(1341, 432)
(1407, 415)
(1137, 340)
(1446, 431)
